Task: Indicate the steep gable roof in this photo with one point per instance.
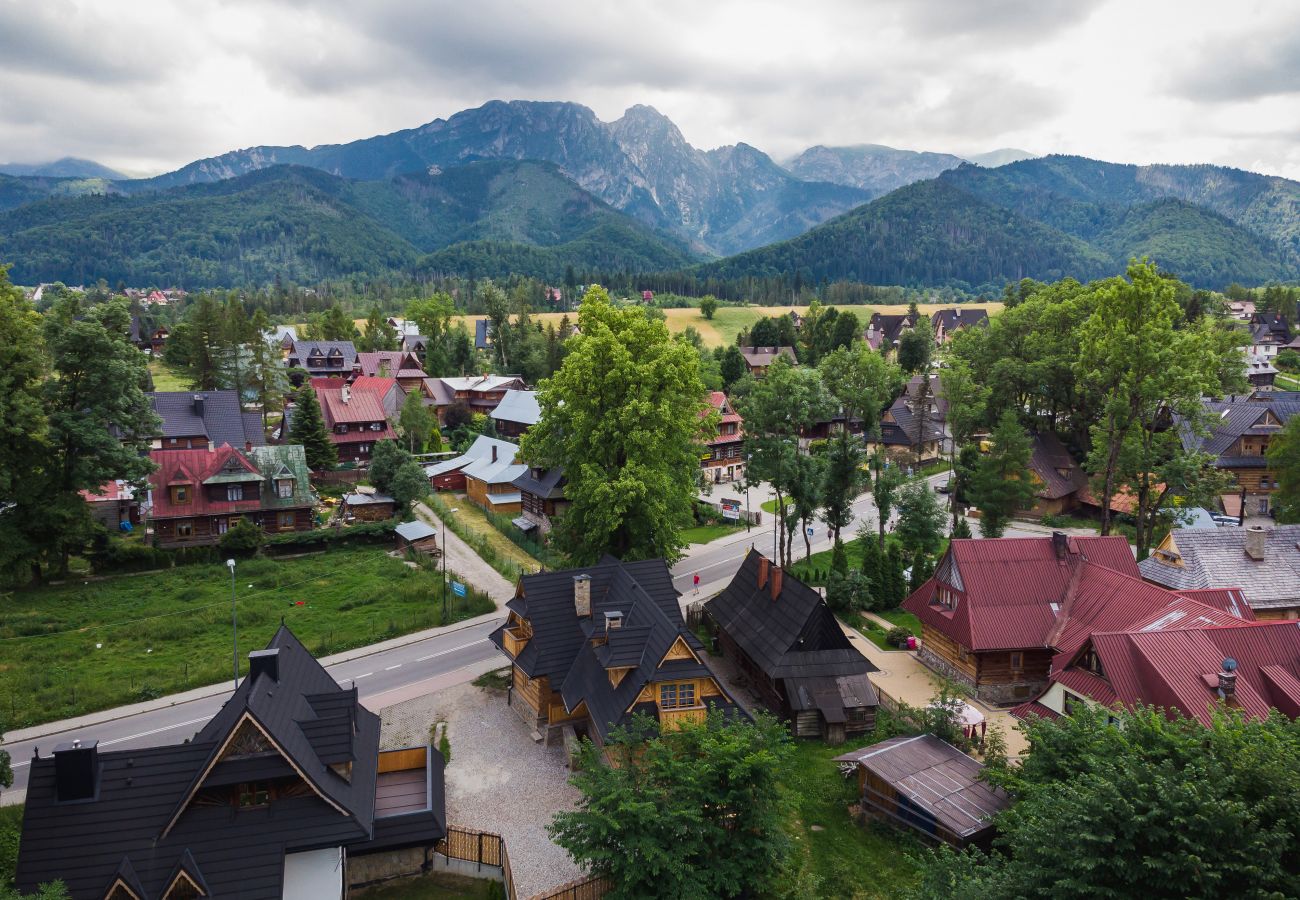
(518, 406)
(1209, 558)
(215, 415)
(1055, 468)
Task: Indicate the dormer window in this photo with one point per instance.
(284, 488)
(234, 492)
(1092, 662)
(180, 493)
(376, 426)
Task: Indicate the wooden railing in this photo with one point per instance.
(515, 640)
(675, 718)
(593, 887)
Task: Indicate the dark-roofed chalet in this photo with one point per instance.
(204, 420)
(760, 359)
(788, 643)
(988, 612)
(592, 647)
(929, 785)
(1060, 480)
(333, 359)
(1239, 432)
(947, 322)
(270, 799)
(885, 329)
(907, 435)
(541, 498)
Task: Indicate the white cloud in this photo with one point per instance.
(151, 85)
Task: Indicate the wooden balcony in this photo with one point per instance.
(676, 718)
(515, 640)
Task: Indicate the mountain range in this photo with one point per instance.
(534, 187)
(67, 167)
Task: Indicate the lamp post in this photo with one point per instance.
(234, 624)
(748, 523)
(443, 523)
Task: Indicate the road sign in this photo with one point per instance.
(810, 531)
(458, 589)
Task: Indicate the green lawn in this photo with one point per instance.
(768, 506)
(165, 378)
(435, 886)
(77, 648)
(902, 618)
(1288, 382)
(702, 534)
(843, 858)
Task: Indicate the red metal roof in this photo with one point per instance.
(327, 384)
(1006, 587)
(351, 407)
(374, 384)
(192, 467)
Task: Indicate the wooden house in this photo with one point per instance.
(356, 420)
(485, 472)
(590, 648)
(402, 365)
(541, 499)
(945, 323)
(927, 785)
(368, 507)
(283, 793)
(203, 420)
(516, 413)
(1060, 482)
(199, 495)
(114, 503)
(479, 393)
(760, 359)
(323, 359)
(884, 330)
(1263, 563)
(792, 649)
(724, 456)
(418, 536)
(1238, 438)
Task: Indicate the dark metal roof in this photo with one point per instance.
(221, 420)
(142, 819)
(937, 777)
(546, 483)
(1060, 475)
(562, 649)
(792, 635)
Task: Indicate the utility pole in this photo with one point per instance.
(234, 624)
(443, 523)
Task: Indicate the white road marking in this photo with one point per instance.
(391, 668)
(453, 649)
(359, 677)
(131, 737)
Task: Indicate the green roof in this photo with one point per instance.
(279, 461)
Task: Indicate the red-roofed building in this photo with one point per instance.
(724, 458)
(399, 364)
(198, 495)
(355, 419)
(391, 394)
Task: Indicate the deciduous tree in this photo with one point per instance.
(623, 417)
(708, 305)
(416, 421)
(1284, 461)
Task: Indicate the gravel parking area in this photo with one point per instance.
(498, 780)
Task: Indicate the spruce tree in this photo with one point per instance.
(308, 429)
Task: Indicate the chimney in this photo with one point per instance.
(264, 662)
(494, 452)
(613, 619)
(248, 446)
(1060, 544)
(198, 405)
(763, 565)
(582, 595)
(345, 394)
(1256, 541)
(1228, 680)
(76, 771)
(776, 582)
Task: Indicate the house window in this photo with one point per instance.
(363, 448)
(284, 488)
(180, 494)
(1017, 661)
(1092, 662)
(376, 426)
(254, 794)
(285, 519)
(677, 696)
(234, 492)
(1070, 702)
(184, 529)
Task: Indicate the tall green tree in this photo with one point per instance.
(732, 367)
(966, 399)
(308, 429)
(693, 812)
(1156, 806)
(920, 519)
(708, 305)
(386, 457)
(433, 316)
(916, 347)
(377, 334)
(269, 379)
(23, 425)
(1284, 461)
(94, 396)
(1141, 364)
(416, 422)
(1001, 483)
(885, 485)
(629, 449)
(776, 409)
(337, 325)
(410, 484)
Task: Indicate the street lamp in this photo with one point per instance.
(234, 623)
(443, 522)
(748, 524)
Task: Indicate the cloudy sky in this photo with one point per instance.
(148, 86)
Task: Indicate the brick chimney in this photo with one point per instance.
(494, 452)
(346, 394)
(198, 405)
(582, 595)
(1256, 541)
(763, 565)
(1060, 544)
(1228, 680)
(776, 582)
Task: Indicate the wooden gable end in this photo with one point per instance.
(679, 650)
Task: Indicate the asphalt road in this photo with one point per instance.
(375, 674)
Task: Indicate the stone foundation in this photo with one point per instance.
(1008, 693)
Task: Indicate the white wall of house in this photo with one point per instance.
(314, 874)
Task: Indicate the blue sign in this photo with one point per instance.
(458, 589)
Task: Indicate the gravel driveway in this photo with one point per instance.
(498, 780)
(462, 560)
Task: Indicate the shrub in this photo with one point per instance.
(897, 636)
(245, 539)
(322, 538)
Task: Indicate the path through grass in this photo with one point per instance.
(77, 648)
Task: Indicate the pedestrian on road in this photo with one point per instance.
(697, 582)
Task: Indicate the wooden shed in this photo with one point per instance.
(419, 536)
(368, 507)
(927, 785)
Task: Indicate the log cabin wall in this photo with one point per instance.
(999, 682)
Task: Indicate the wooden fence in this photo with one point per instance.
(483, 848)
(593, 887)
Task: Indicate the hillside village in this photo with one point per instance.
(317, 605)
